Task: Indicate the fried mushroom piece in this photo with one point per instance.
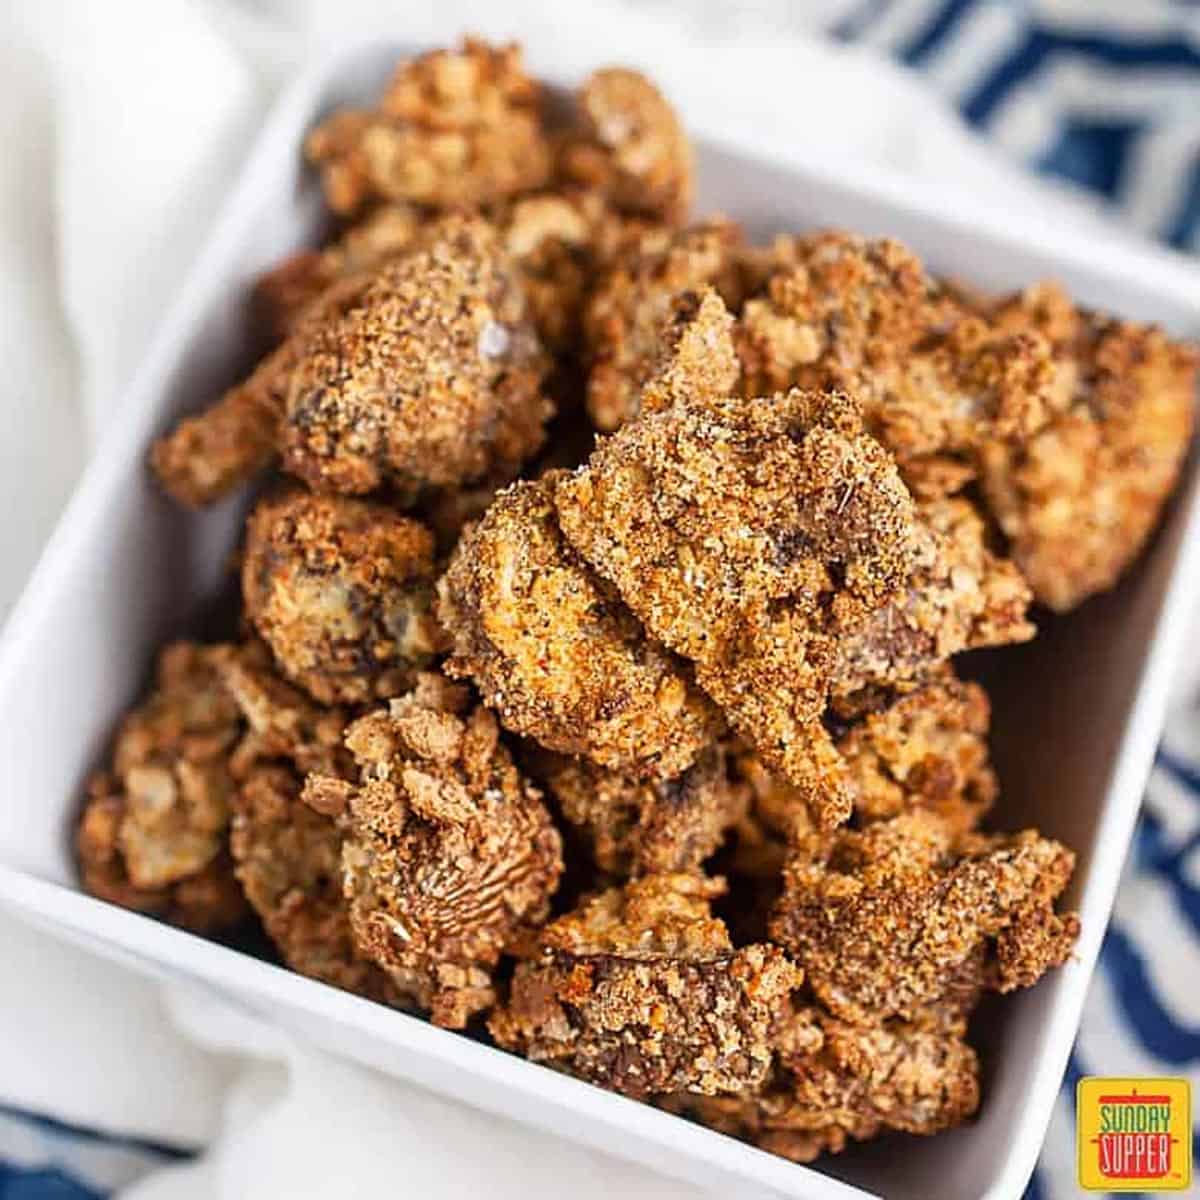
(453, 128)
(629, 146)
(640, 827)
(910, 911)
(936, 382)
(749, 538)
(640, 990)
(448, 854)
(960, 597)
(153, 832)
(1079, 499)
(634, 302)
(342, 591)
(927, 749)
(289, 862)
(425, 373)
(554, 651)
(287, 856)
(283, 293)
(557, 239)
(834, 1082)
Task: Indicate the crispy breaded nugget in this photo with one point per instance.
(843, 312)
(205, 457)
(837, 1081)
(641, 991)
(448, 852)
(630, 147)
(748, 538)
(283, 293)
(903, 913)
(1079, 499)
(696, 361)
(633, 303)
(342, 591)
(554, 651)
(550, 237)
(638, 827)
(152, 836)
(927, 749)
(960, 597)
(454, 128)
(282, 723)
(424, 373)
(557, 240)
(289, 861)
(288, 855)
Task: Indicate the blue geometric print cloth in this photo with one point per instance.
(1104, 94)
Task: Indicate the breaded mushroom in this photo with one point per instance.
(1079, 499)
(285, 292)
(961, 596)
(634, 302)
(342, 591)
(449, 854)
(641, 991)
(749, 538)
(287, 856)
(910, 911)
(835, 1082)
(153, 833)
(935, 381)
(558, 240)
(924, 749)
(629, 146)
(554, 651)
(425, 373)
(453, 128)
(638, 827)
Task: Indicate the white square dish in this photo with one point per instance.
(1078, 710)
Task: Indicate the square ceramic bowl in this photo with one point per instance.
(1077, 711)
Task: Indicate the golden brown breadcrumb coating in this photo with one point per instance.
(634, 301)
(342, 591)
(747, 538)
(927, 749)
(906, 912)
(287, 856)
(283, 293)
(960, 597)
(1079, 498)
(558, 240)
(696, 362)
(453, 128)
(835, 1081)
(448, 852)
(205, 457)
(152, 835)
(641, 991)
(935, 381)
(629, 146)
(556, 654)
(426, 372)
(289, 861)
(638, 827)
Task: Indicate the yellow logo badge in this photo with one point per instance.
(1134, 1135)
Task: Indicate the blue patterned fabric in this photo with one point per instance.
(45, 1159)
(1106, 95)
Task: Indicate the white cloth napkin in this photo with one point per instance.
(123, 126)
